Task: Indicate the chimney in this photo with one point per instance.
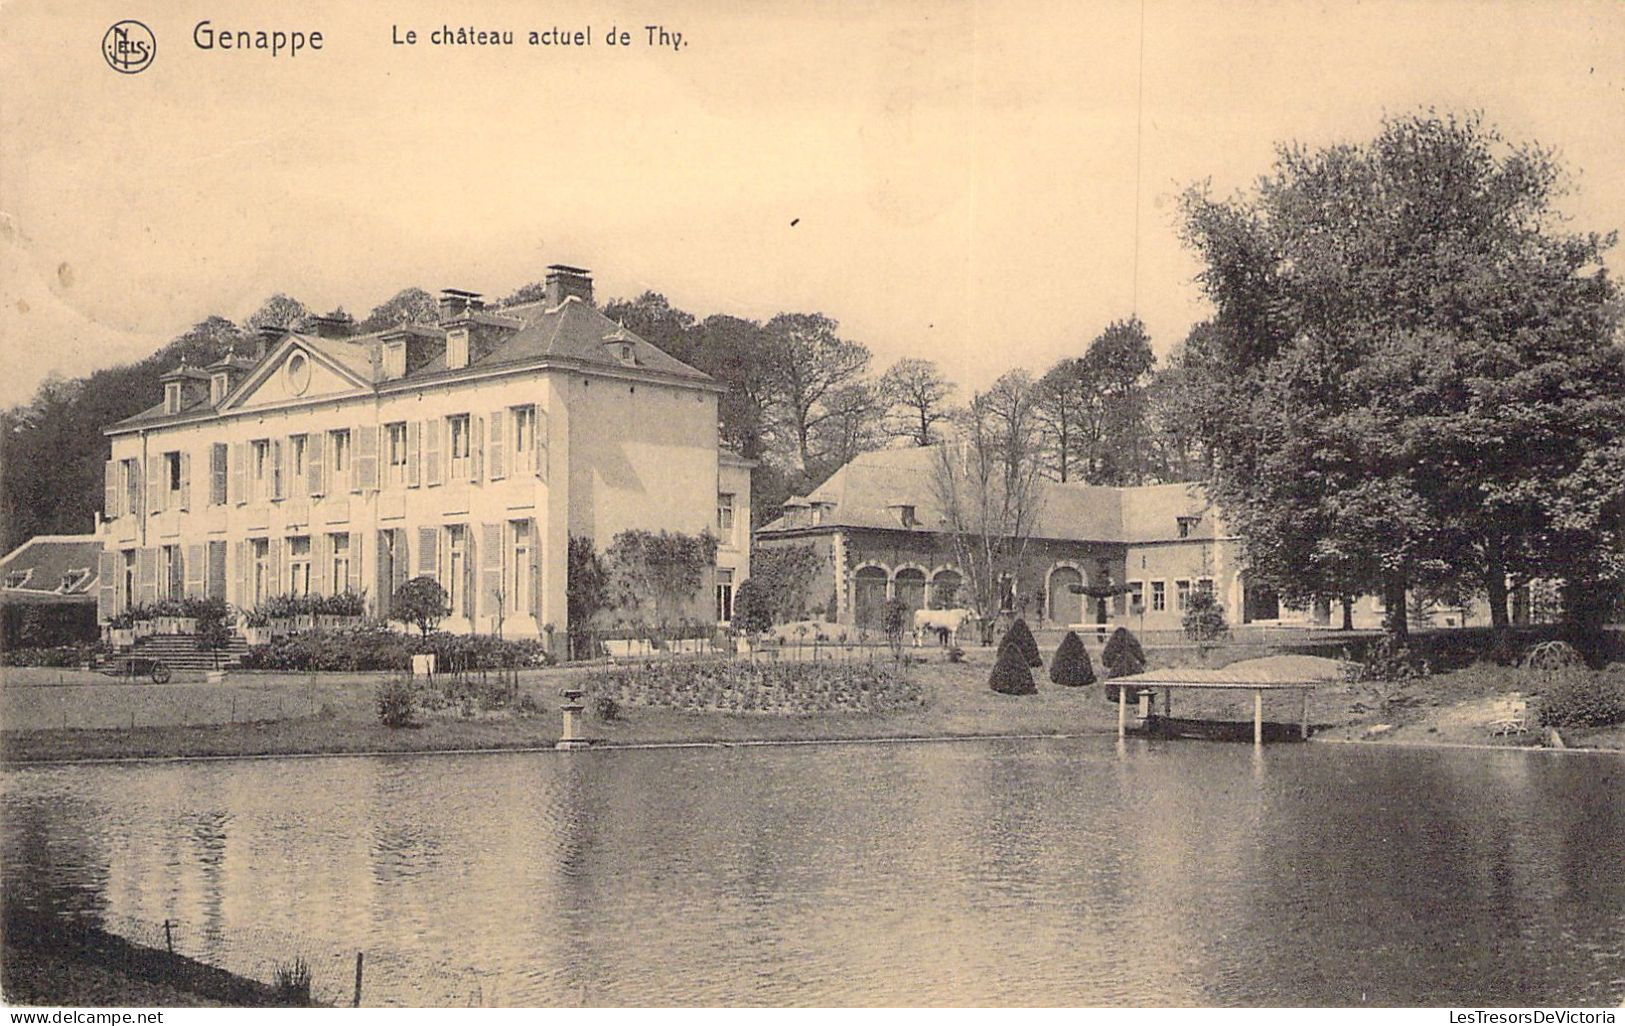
(454, 303)
(564, 281)
(269, 336)
(328, 326)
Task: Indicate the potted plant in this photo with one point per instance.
(341, 611)
(256, 626)
(280, 610)
(304, 612)
(121, 629)
(143, 620)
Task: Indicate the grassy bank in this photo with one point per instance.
(337, 713)
(51, 962)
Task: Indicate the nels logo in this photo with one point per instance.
(129, 47)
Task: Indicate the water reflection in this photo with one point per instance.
(1075, 872)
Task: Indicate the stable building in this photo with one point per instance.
(469, 450)
(1096, 555)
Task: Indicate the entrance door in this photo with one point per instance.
(1065, 604)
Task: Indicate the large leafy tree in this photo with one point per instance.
(809, 365)
(1414, 377)
(917, 394)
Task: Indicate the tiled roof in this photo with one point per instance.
(45, 559)
(868, 491)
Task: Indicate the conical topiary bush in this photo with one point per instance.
(1072, 667)
(1011, 675)
(1022, 637)
(1122, 655)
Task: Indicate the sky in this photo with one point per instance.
(984, 184)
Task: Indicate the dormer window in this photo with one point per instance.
(219, 385)
(73, 578)
(395, 359)
(906, 517)
(17, 578)
(624, 353)
(1185, 525)
(457, 349)
(172, 397)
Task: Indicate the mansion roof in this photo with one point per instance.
(896, 490)
(51, 568)
(572, 332)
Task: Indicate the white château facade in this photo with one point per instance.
(470, 451)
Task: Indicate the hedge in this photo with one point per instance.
(1072, 666)
(794, 688)
(1021, 635)
(1011, 675)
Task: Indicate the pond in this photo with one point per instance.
(987, 872)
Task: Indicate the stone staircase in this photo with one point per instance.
(180, 651)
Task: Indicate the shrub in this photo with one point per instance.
(606, 708)
(790, 688)
(421, 603)
(894, 622)
(1577, 697)
(1011, 673)
(54, 656)
(1388, 661)
(1122, 656)
(1204, 617)
(396, 705)
(1021, 636)
(753, 613)
(292, 986)
(1072, 666)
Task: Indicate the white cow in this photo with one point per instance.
(944, 623)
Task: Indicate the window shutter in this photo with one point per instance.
(313, 459)
(186, 480)
(195, 568)
(276, 468)
(476, 448)
(429, 552)
(136, 489)
(538, 448)
(403, 562)
(239, 474)
(353, 582)
(535, 572)
(491, 569)
(366, 458)
(146, 575)
(471, 574)
(106, 585)
(215, 587)
(414, 466)
(431, 452)
(384, 574)
(498, 437)
(273, 567)
(240, 578)
(177, 573)
(157, 485)
(320, 558)
(217, 474)
(110, 489)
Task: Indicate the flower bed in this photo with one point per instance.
(791, 689)
(379, 648)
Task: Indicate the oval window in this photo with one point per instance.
(298, 373)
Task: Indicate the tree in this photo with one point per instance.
(1060, 406)
(408, 306)
(895, 617)
(1115, 369)
(986, 485)
(420, 602)
(1011, 674)
(916, 395)
(658, 574)
(586, 590)
(1414, 370)
(1204, 617)
(279, 311)
(1071, 666)
(809, 364)
(530, 292)
(753, 609)
(781, 576)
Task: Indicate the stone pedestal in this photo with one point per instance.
(572, 708)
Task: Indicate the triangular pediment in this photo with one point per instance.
(296, 371)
